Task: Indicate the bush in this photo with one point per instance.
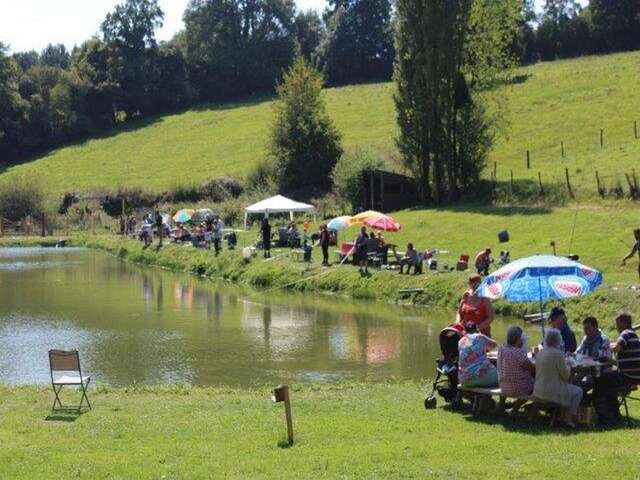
(182, 193)
(231, 212)
(20, 199)
(134, 199)
(347, 175)
(220, 189)
(262, 178)
(329, 206)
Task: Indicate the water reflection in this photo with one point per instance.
(151, 326)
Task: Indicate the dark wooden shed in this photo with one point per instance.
(387, 191)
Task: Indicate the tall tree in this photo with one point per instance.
(616, 24)
(309, 29)
(129, 32)
(447, 55)
(55, 56)
(304, 142)
(238, 47)
(12, 107)
(359, 42)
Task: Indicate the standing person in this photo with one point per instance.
(483, 261)
(475, 309)
(635, 249)
(324, 244)
(558, 320)
(158, 219)
(265, 228)
(361, 250)
(217, 234)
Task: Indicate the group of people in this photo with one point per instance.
(201, 234)
(544, 372)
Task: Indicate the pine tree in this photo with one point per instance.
(304, 142)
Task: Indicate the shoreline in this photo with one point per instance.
(442, 290)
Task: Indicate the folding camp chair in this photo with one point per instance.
(65, 370)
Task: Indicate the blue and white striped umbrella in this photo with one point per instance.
(539, 278)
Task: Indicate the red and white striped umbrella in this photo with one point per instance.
(384, 223)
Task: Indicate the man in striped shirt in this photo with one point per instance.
(627, 348)
(610, 383)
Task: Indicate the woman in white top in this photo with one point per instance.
(553, 377)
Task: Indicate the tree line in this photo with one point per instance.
(230, 48)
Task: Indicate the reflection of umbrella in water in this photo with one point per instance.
(339, 223)
(361, 217)
(184, 215)
(382, 346)
(202, 215)
(540, 278)
(383, 223)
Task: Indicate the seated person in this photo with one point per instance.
(558, 320)
(182, 234)
(474, 367)
(383, 249)
(505, 257)
(552, 383)
(595, 343)
(483, 261)
(411, 259)
(372, 243)
(607, 387)
(515, 372)
(474, 308)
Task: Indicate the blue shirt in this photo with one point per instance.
(568, 338)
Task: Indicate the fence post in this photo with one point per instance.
(540, 182)
(598, 183)
(601, 138)
(511, 176)
(0, 226)
(528, 159)
(635, 129)
(562, 148)
(495, 171)
(566, 174)
(44, 232)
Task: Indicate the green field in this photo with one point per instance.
(567, 101)
(343, 431)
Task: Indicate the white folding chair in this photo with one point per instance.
(65, 371)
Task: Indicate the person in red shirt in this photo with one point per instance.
(475, 309)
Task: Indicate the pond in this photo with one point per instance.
(146, 325)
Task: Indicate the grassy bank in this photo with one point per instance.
(549, 103)
(345, 431)
(31, 241)
(282, 273)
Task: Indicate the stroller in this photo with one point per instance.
(446, 367)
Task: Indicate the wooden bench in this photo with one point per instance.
(480, 395)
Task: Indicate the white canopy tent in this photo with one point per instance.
(277, 204)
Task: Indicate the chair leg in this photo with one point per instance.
(84, 395)
(56, 398)
(626, 410)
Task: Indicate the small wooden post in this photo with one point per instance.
(601, 138)
(0, 226)
(371, 187)
(540, 183)
(511, 176)
(562, 148)
(281, 394)
(528, 159)
(566, 174)
(495, 171)
(44, 231)
(635, 129)
(598, 183)
(553, 245)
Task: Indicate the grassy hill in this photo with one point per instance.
(568, 101)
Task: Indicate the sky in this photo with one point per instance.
(33, 24)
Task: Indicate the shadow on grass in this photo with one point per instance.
(66, 417)
(539, 427)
